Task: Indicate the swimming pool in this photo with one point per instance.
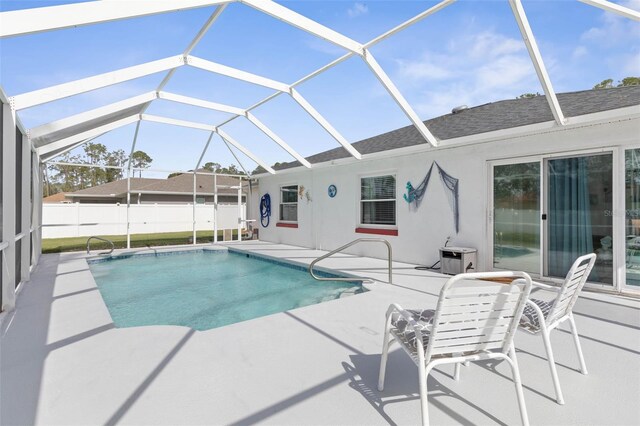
(206, 289)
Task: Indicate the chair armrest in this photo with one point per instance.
(545, 286)
(406, 315)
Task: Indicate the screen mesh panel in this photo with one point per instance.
(18, 181)
(1, 198)
(18, 262)
(87, 125)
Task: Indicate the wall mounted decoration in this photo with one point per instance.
(415, 195)
(332, 190)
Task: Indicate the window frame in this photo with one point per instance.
(364, 226)
(281, 203)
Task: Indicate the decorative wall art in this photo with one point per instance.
(332, 190)
(304, 193)
(415, 195)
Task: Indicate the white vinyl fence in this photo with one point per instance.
(84, 220)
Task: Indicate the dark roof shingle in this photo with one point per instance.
(489, 117)
(178, 184)
(116, 187)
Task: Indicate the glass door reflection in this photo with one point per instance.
(516, 217)
(579, 206)
(632, 216)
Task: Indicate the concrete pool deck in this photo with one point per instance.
(63, 361)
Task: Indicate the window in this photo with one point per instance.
(289, 203)
(378, 200)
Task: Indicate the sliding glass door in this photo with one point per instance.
(579, 219)
(548, 212)
(516, 217)
(632, 217)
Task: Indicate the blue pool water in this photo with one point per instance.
(206, 289)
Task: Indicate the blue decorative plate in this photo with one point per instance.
(332, 191)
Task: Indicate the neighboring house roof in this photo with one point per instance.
(184, 184)
(489, 117)
(181, 184)
(115, 188)
(55, 198)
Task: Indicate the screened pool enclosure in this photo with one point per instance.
(26, 151)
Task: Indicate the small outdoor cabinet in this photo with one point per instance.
(457, 260)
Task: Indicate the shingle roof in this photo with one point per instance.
(179, 184)
(55, 198)
(116, 187)
(184, 184)
(489, 117)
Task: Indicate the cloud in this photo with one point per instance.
(579, 52)
(474, 69)
(492, 45)
(428, 68)
(614, 29)
(358, 9)
(631, 64)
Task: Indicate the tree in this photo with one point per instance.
(217, 168)
(140, 160)
(212, 167)
(630, 81)
(96, 154)
(259, 169)
(604, 84)
(67, 178)
(627, 81)
(116, 158)
(70, 178)
(229, 170)
(528, 95)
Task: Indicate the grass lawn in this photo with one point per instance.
(58, 245)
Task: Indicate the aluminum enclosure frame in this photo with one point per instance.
(104, 11)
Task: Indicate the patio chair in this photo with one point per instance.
(542, 317)
(473, 321)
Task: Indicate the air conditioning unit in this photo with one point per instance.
(457, 260)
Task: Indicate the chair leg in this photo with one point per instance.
(576, 340)
(424, 400)
(456, 372)
(518, 382)
(383, 360)
(552, 366)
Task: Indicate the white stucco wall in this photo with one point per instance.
(327, 223)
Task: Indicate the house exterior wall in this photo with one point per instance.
(326, 223)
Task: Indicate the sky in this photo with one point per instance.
(469, 53)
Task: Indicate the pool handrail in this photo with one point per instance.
(346, 246)
(101, 239)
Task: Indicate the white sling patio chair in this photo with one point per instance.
(542, 317)
(473, 321)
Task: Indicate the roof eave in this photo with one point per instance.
(72, 195)
(612, 115)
